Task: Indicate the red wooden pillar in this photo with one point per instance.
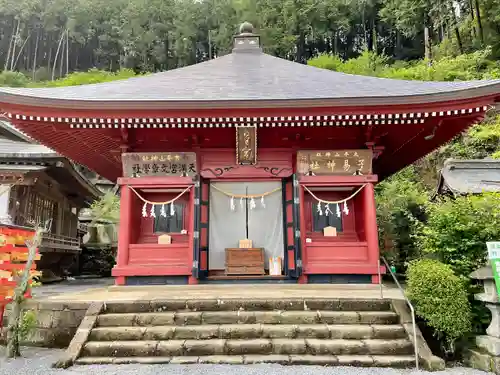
(124, 235)
(371, 229)
(191, 280)
(302, 226)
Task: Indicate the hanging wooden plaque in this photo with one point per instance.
(335, 162)
(246, 145)
(139, 164)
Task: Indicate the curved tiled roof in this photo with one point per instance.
(470, 176)
(256, 76)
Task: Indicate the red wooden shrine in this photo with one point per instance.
(288, 110)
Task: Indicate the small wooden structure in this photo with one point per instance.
(38, 185)
(310, 143)
(245, 261)
(461, 177)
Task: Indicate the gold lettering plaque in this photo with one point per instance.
(335, 162)
(140, 164)
(246, 145)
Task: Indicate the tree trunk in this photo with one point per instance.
(13, 54)
(67, 51)
(57, 54)
(61, 59)
(35, 53)
(479, 23)
(455, 28)
(374, 37)
(427, 45)
(459, 40)
(9, 51)
(21, 50)
(471, 12)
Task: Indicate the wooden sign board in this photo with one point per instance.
(245, 244)
(330, 232)
(140, 164)
(246, 145)
(164, 239)
(335, 162)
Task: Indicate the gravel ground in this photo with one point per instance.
(38, 362)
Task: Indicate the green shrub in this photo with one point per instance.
(457, 230)
(13, 79)
(28, 324)
(440, 298)
(400, 212)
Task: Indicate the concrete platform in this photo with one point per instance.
(257, 291)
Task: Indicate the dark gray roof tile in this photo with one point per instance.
(471, 176)
(248, 76)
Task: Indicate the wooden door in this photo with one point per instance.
(291, 227)
(201, 222)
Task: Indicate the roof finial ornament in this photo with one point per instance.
(246, 28)
(246, 40)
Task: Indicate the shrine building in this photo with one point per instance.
(248, 167)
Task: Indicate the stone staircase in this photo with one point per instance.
(315, 332)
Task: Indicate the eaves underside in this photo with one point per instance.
(490, 92)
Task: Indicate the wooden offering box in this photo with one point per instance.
(245, 261)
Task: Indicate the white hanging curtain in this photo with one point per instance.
(265, 225)
(226, 227)
(228, 223)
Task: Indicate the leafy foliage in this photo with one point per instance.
(48, 39)
(107, 207)
(28, 324)
(457, 230)
(90, 77)
(400, 213)
(476, 65)
(440, 298)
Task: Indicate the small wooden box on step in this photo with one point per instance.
(245, 261)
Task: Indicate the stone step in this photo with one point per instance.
(247, 317)
(248, 331)
(168, 348)
(405, 361)
(248, 305)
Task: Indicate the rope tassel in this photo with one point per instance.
(328, 212)
(346, 209)
(153, 204)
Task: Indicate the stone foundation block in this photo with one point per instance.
(272, 331)
(289, 346)
(204, 347)
(243, 347)
(350, 331)
(158, 333)
(335, 347)
(240, 331)
(170, 348)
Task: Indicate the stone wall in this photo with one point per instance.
(56, 323)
